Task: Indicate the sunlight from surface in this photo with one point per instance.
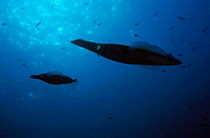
(52, 22)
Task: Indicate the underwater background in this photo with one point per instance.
(111, 99)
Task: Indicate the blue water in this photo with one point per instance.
(111, 99)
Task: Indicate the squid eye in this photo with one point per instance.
(98, 47)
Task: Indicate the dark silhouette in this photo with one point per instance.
(140, 53)
(182, 18)
(55, 78)
(4, 24)
(37, 25)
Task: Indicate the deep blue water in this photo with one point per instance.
(111, 99)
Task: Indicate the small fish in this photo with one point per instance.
(136, 35)
(180, 55)
(191, 42)
(184, 32)
(156, 13)
(97, 23)
(37, 128)
(20, 102)
(52, 6)
(182, 18)
(4, 24)
(171, 38)
(25, 65)
(10, 80)
(171, 28)
(19, 60)
(86, 3)
(37, 25)
(195, 48)
(163, 70)
(22, 8)
(186, 66)
(137, 24)
(204, 29)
